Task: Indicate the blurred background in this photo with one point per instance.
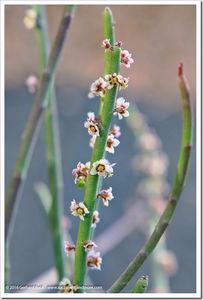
(159, 37)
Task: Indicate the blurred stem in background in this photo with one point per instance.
(152, 162)
(52, 144)
(112, 65)
(175, 192)
(31, 130)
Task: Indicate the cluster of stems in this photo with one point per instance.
(102, 140)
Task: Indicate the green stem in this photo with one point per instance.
(34, 121)
(52, 144)
(141, 285)
(109, 33)
(112, 65)
(175, 193)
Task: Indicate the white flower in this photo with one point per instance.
(92, 141)
(116, 79)
(94, 260)
(32, 84)
(30, 19)
(92, 124)
(121, 108)
(89, 245)
(106, 44)
(102, 167)
(95, 219)
(115, 130)
(78, 210)
(81, 172)
(111, 143)
(68, 247)
(105, 196)
(67, 287)
(126, 58)
(98, 88)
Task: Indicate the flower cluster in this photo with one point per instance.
(100, 86)
(126, 56)
(65, 286)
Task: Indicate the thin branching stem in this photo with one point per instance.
(32, 126)
(112, 65)
(174, 195)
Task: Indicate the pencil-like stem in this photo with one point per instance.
(52, 144)
(174, 195)
(112, 65)
(31, 129)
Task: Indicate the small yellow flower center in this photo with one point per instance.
(80, 211)
(100, 168)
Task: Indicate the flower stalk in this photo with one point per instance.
(175, 192)
(31, 130)
(112, 65)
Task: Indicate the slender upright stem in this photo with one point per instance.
(52, 144)
(174, 195)
(109, 33)
(32, 127)
(112, 65)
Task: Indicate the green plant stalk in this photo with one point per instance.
(52, 144)
(174, 195)
(31, 130)
(141, 285)
(113, 62)
(159, 278)
(109, 33)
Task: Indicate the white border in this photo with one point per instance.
(196, 295)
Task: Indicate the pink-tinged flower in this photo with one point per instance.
(155, 164)
(105, 196)
(122, 81)
(118, 44)
(92, 141)
(103, 168)
(112, 80)
(115, 130)
(167, 260)
(65, 286)
(78, 209)
(126, 58)
(95, 219)
(80, 173)
(98, 88)
(111, 143)
(121, 108)
(106, 44)
(92, 124)
(32, 84)
(149, 141)
(94, 260)
(89, 245)
(68, 247)
(30, 19)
